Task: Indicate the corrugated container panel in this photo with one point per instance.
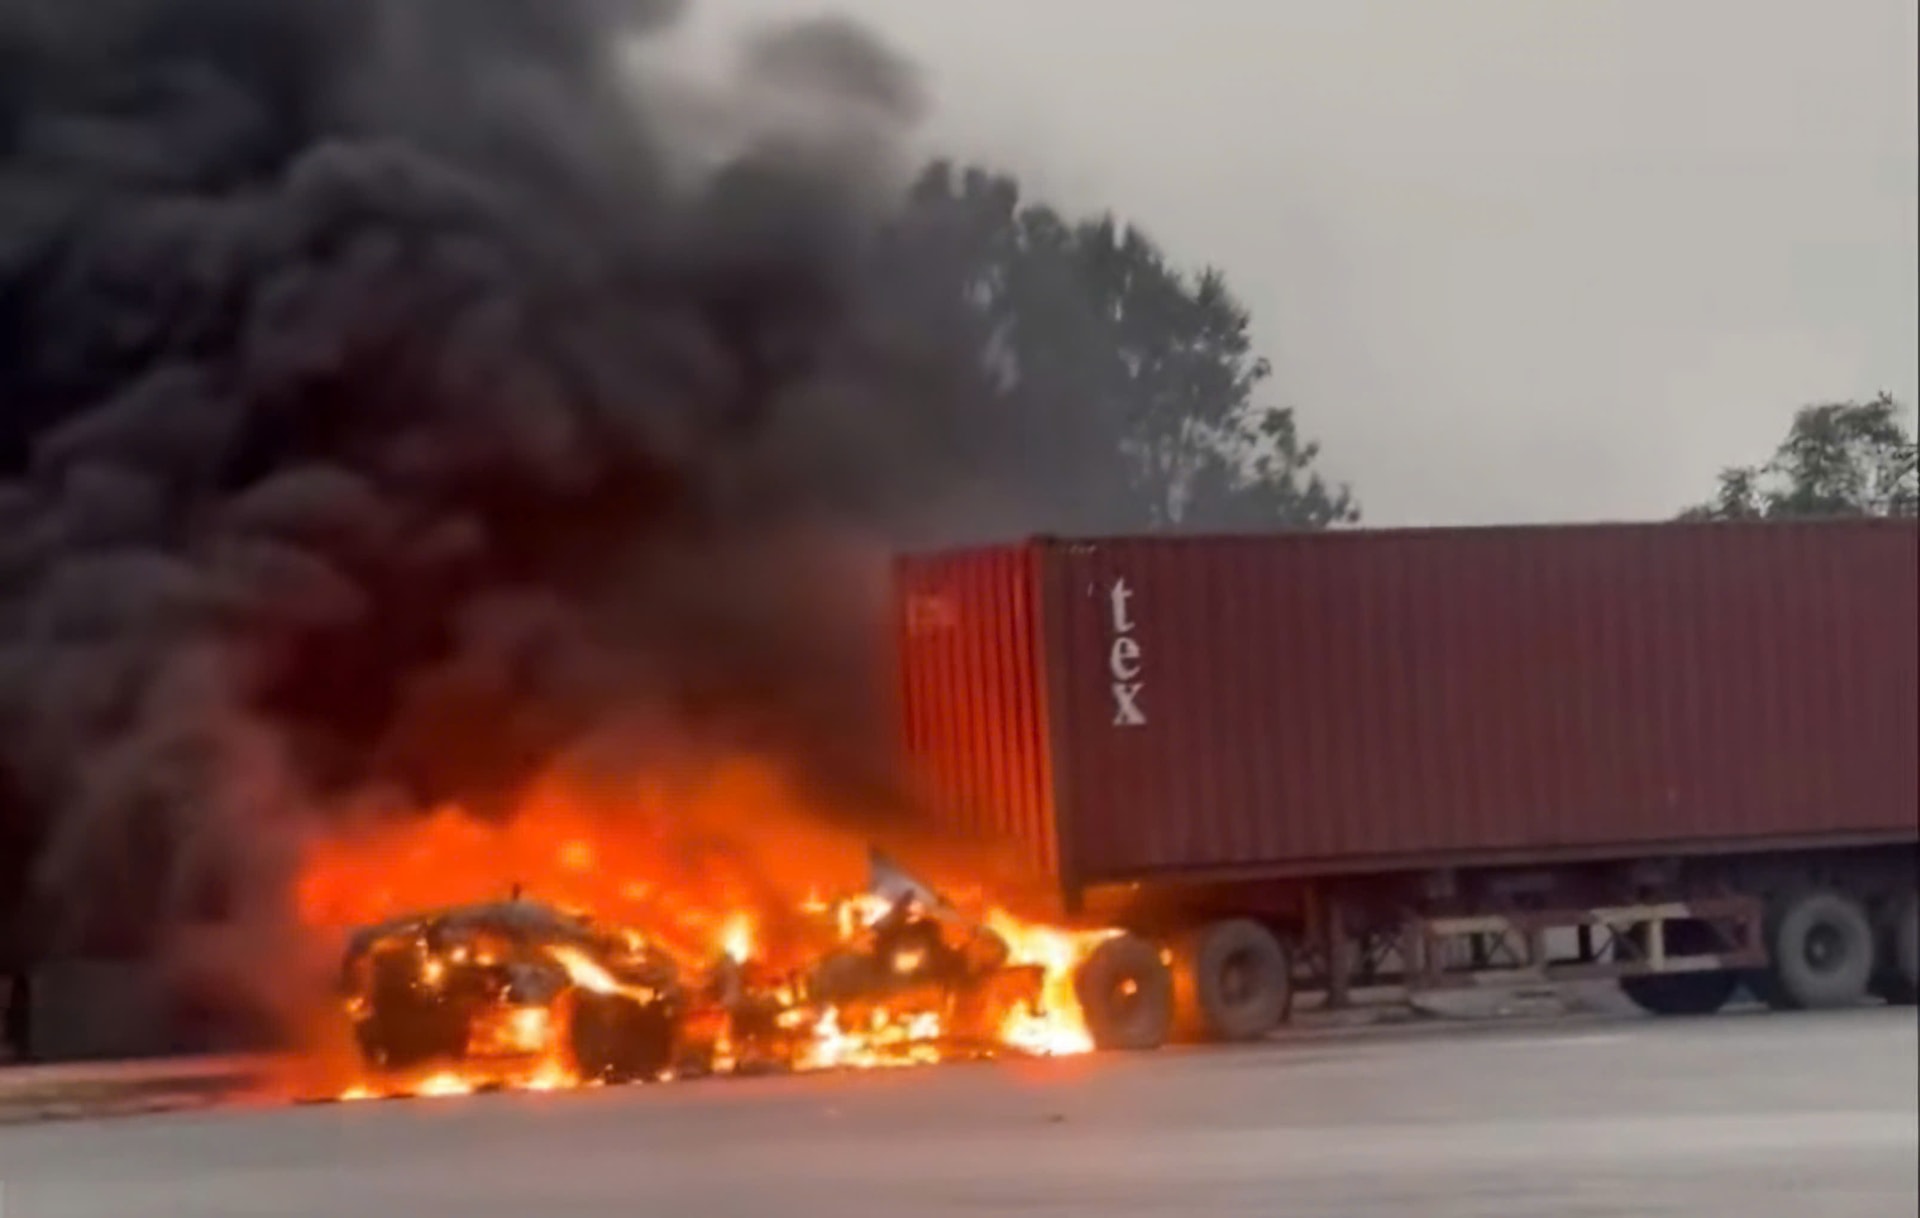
(973, 694)
(1383, 699)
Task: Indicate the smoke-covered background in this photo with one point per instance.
(393, 391)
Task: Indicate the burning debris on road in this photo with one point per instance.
(521, 994)
(708, 920)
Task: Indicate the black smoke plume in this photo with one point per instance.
(387, 397)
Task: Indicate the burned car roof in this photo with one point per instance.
(515, 916)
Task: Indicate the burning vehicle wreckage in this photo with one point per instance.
(518, 992)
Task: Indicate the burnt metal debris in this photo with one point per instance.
(521, 981)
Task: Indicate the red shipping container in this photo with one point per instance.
(1353, 702)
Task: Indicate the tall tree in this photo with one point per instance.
(1838, 459)
(1135, 385)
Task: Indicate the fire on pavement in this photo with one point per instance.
(639, 956)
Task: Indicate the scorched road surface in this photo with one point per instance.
(1740, 1116)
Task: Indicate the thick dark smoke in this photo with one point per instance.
(382, 409)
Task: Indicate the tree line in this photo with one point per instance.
(1142, 405)
(1853, 458)
(1131, 385)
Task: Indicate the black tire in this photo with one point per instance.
(1235, 980)
(394, 1040)
(617, 1040)
(1680, 994)
(1898, 977)
(1821, 949)
(1126, 993)
(405, 1027)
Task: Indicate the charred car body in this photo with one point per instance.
(511, 981)
(522, 982)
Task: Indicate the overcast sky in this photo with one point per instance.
(1512, 259)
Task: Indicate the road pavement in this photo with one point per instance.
(1745, 1116)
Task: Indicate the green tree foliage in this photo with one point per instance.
(1838, 459)
(1134, 385)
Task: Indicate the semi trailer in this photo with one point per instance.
(1684, 757)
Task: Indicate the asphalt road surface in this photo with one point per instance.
(1748, 1117)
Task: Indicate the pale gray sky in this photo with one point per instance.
(1513, 259)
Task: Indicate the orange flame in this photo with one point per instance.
(728, 868)
(1059, 1028)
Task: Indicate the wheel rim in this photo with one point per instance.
(1237, 975)
(1825, 949)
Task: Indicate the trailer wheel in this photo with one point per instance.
(1680, 993)
(1821, 945)
(1126, 993)
(1235, 981)
(1898, 978)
